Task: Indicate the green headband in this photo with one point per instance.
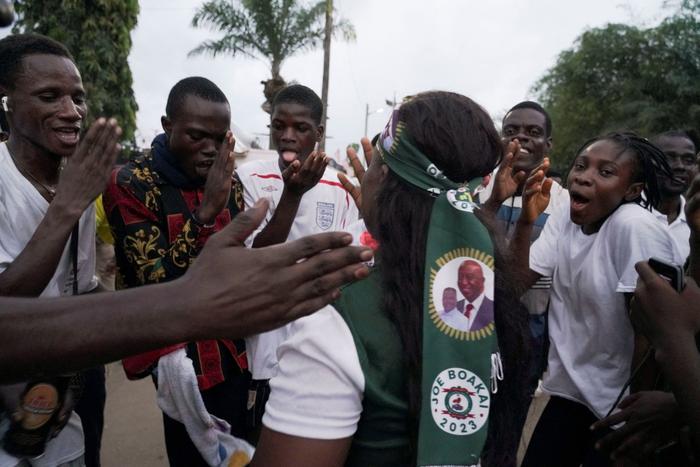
(410, 164)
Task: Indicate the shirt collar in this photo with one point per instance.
(681, 214)
(476, 303)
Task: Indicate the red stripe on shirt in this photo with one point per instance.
(325, 182)
(328, 182)
(266, 176)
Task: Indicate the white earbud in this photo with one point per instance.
(4, 104)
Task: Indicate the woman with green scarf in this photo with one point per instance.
(389, 374)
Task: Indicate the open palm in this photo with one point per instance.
(537, 193)
(359, 169)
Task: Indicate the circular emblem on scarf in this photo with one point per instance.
(461, 199)
(461, 293)
(459, 402)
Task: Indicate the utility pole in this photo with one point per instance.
(366, 119)
(326, 67)
(368, 113)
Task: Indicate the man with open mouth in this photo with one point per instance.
(528, 124)
(49, 179)
(305, 198)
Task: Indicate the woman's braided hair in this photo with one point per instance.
(651, 163)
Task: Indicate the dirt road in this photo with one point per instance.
(133, 434)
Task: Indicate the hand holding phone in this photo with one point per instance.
(672, 273)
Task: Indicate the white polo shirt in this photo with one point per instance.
(679, 230)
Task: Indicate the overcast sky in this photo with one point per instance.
(492, 51)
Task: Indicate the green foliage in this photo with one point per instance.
(271, 30)
(98, 34)
(622, 77)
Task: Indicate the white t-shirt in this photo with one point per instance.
(318, 389)
(590, 333)
(327, 207)
(21, 210)
(679, 230)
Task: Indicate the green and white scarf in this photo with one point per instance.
(460, 352)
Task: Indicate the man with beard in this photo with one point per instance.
(680, 151)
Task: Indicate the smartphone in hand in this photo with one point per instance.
(670, 272)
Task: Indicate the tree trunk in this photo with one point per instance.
(271, 87)
(326, 66)
(276, 65)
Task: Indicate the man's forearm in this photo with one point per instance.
(277, 230)
(34, 267)
(487, 216)
(680, 362)
(520, 256)
(229, 292)
(43, 336)
(694, 258)
(648, 373)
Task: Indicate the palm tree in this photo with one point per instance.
(270, 30)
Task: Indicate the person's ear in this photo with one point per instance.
(320, 130)
(167, 125)
(549, 145)
(634, 191)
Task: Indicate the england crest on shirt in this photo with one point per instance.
(325, 212)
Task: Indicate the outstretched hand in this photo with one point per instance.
(506, 182)
(217, 188)
(536, 193)
(86, 173)
(358, 168)
(650, 419)
(248, 291)
(299, 178)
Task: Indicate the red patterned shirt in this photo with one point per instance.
(156, 239)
